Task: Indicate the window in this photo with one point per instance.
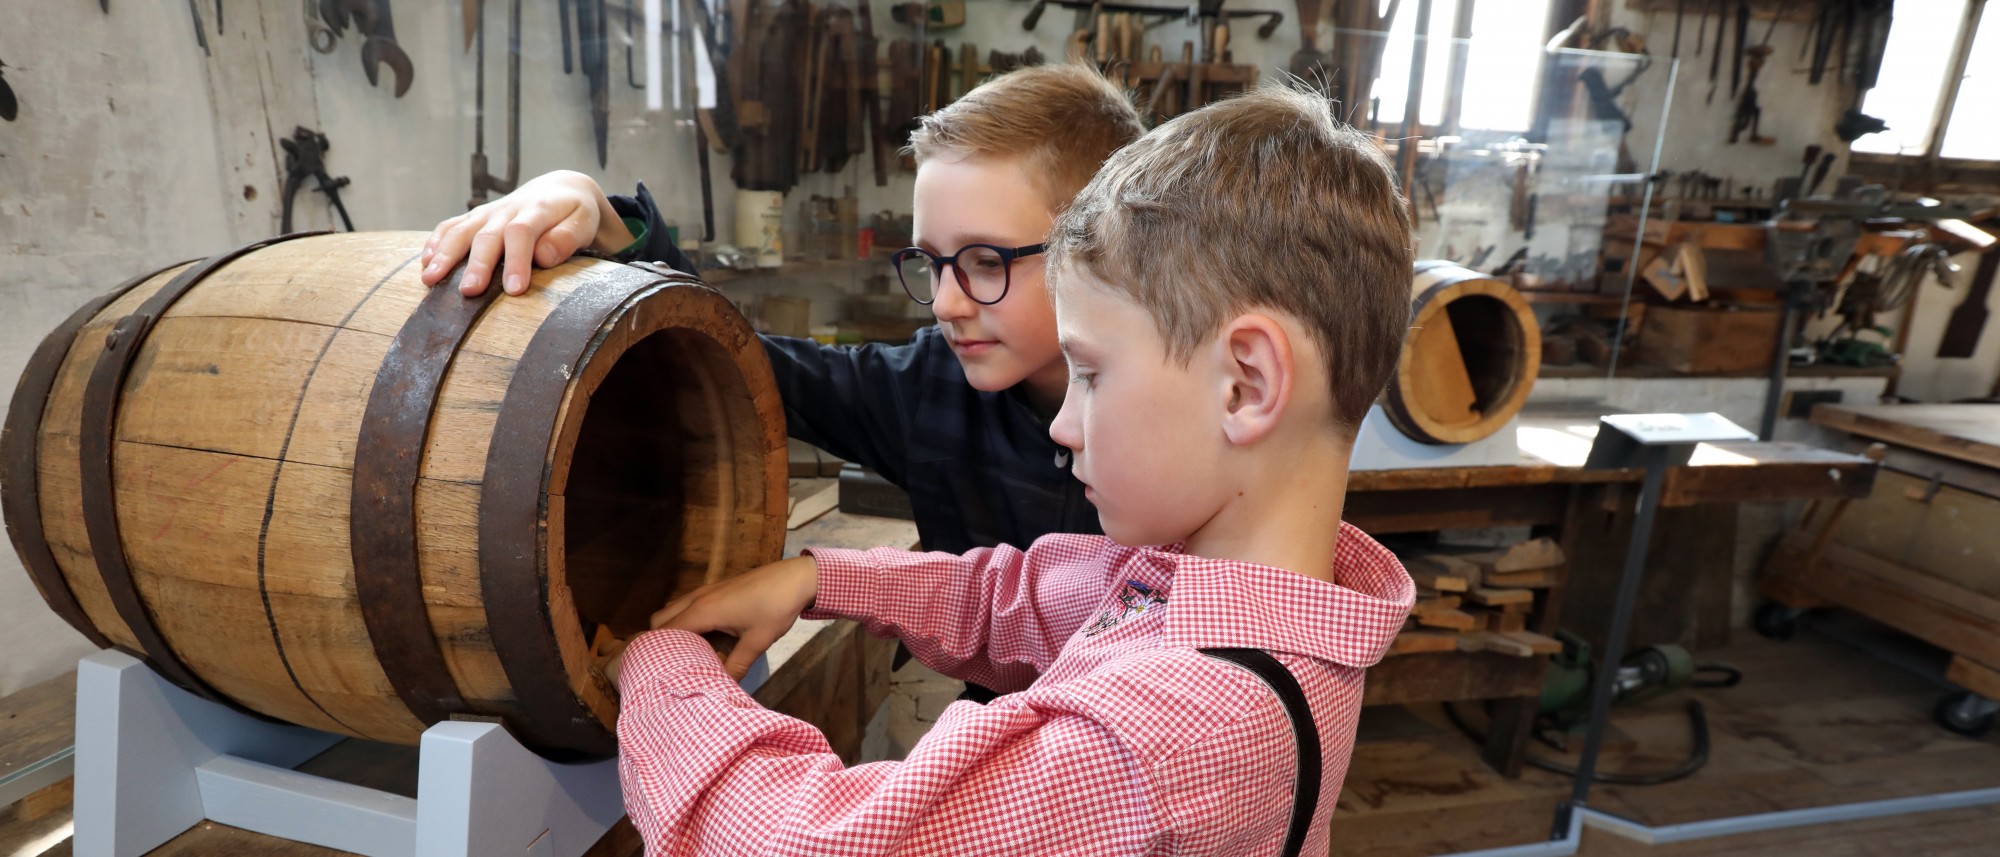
(1915, 91)
(1500, 63)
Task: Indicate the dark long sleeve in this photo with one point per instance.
(854, 402)
(659, 246)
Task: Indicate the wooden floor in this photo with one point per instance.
(1814, 723)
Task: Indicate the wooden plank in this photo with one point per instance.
(1903, 600)
(1507, 623)
(36, 723)
(1497, 597)
(1431, 573)
(1965, 432)
(1529, 555)
(1436, 604)
(812, 499)
(1974, 676)
(1457, 620)
(1541, 578)
(1416, 642)
(1437, 676)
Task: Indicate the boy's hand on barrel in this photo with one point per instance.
(757, 607)
(541, 224)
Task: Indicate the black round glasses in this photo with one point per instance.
(983, 271)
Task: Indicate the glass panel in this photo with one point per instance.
(1974, 129)
(1913, 70)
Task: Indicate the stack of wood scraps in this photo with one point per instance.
(1479, 601)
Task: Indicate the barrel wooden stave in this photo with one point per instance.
(293, 376)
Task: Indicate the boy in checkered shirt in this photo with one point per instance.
(1231, 292)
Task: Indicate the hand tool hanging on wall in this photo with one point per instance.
(1715, 59)
(320, 32)
(631, 36)
(483, 179)
(1309, 64)
(1680, 12)
(9, 108)
(1968, 320)
(870, 90)
(593, 53)
(1273, 19)
(1742, 36)
(373, 18)
(1749, 113)
(305, 157)
(200, 35)
(563, 15)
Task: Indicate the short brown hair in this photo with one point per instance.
(1063, 120)
(1262, 200)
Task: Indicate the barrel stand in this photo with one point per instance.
(153, 760)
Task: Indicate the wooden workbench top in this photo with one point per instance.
(1969, 433)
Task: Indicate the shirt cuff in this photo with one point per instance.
(636, 226)
(675, 661)
(846, 587)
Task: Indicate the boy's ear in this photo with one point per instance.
(1258, 371)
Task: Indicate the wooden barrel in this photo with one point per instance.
(296, 481)
(1470, 358)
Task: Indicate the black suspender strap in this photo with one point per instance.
(1304, 732)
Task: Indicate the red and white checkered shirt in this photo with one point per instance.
(1115, 737)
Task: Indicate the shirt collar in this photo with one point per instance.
(1350, 621)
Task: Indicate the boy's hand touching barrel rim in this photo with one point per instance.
(541, 224)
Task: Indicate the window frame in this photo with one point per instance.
(1929, 171)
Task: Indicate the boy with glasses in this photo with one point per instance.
(1232, 291)
(959, 416)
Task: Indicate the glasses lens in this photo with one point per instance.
(919, 278)
(984, 273)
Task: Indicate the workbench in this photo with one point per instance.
(1588, 512)
(827, 673)
(1922, 554)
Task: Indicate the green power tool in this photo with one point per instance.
(1647, 673)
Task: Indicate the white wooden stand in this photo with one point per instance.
(1382, 446)
(153, 760)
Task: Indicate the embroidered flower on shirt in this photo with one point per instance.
(1134, 598)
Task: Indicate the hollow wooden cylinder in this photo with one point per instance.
(1470, 358)
(297, 481)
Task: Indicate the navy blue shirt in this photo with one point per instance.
(979, 467)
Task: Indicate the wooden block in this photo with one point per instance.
(1435, 576)
(1529, 555)
(51, 798)
(1507, 623)
(1536, 643)
(1504, 644)
(1537, 579)
(1974, 676)
(1456, 620)
(1499, 597)
(1522, 609)
(1470, 643)
(1413, 642)
(1435, 605)
(808, 507)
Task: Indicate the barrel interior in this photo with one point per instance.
(647, 478)
(1491, 342)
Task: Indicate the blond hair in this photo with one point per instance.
(1260, 201)
(1060, 120)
